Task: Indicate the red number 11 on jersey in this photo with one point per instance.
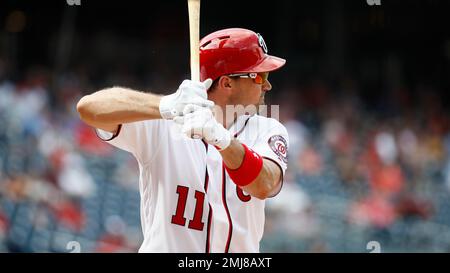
(178, 219)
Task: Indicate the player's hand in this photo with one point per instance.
(199, 122)
(189, 92)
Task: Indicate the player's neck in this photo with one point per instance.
(223, 114)
(224, 118)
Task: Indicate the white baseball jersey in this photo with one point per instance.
(188, 201)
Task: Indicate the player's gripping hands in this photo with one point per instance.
(189, 92)
(199, 122)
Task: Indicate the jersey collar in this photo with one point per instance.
(239, 125)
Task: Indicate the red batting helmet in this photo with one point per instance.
(235, 50)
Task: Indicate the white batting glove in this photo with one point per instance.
(199, 122)
(189, 92)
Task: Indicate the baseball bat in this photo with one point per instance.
(194, 41)
(194, 37)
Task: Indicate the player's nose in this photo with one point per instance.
(266, 86)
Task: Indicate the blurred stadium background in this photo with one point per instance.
(364, 95)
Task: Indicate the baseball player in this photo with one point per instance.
(203, 174)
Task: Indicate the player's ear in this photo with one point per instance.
(225, 82)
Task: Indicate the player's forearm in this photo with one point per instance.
(267, 183)
(118, 105)
(269, 178)
(233, 155)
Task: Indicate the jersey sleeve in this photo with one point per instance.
(273, 144)
(141, 138)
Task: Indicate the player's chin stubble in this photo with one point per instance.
(261, 100)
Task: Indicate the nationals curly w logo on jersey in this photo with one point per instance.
(279, 146)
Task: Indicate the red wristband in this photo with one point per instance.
(248, 171)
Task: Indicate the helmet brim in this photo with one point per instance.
(268, 64)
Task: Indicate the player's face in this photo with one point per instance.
(250, 92)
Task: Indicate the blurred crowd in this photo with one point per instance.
(360, 173)
(58, 182)
(357, 173)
